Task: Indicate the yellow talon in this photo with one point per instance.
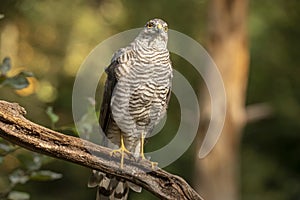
(142, 146)
(122, 150)
(153, 164)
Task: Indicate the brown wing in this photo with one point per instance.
(105, 112)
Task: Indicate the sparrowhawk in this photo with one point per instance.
(136, 94)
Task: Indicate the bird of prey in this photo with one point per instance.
(136, 95)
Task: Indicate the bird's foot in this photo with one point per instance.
(122, 150)
(153, 164)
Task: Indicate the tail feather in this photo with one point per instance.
(134, 187)
(110, 187)
(95, 178)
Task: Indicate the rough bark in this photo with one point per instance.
(218, 173)
(15, 128)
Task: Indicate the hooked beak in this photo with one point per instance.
(159, 26)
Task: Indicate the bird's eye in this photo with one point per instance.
(166, 29)
(150, 25)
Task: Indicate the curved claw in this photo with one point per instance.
(154, 165)
(122, 150)
(142, 155)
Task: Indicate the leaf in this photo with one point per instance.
(68, 130)
(5, 66)
(16, 195)
(18, 176)
(53, 117)
(45, 159)
(16, 82)
(29, 161)
(26, 74)
(45, 175)
(19, 81)
(4, 148)
(87, 123)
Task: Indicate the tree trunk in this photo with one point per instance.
(218, 173)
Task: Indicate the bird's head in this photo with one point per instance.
(154, 34)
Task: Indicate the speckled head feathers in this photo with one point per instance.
(154, 34)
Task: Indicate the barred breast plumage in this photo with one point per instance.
(135, 99)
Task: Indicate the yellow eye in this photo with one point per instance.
(166, 29)
(150, 25)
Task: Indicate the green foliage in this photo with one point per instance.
(18, 81)
(6, 148)
(30, 164)
(45, 175)
(29, 169)
(52, 116)
(5, 66)
(16, 195)
(87, 121)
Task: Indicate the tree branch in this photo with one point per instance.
(15, 128)
(259, 111)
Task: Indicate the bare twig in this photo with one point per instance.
(15, 128)
(259, 111)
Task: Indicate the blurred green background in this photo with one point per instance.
(52, 39)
